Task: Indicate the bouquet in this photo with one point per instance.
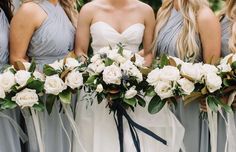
(166, 82)
(62, 79)
(21, 86)
(115, 76)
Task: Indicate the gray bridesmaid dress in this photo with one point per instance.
(225, 35)
(9, 140)
(51, 41)
(196, 129)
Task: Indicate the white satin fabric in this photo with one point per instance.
(96, 126)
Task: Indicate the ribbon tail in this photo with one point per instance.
(37, 130)
(69, 115)
(212, 118)
(17, 128)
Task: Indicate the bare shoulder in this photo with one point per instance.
(88, 10)
(206, 15)
(145, 8)
(32, 11)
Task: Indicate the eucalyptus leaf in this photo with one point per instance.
(131, 102)
(49, 71)
(155, 105)
(212, 103)
(37, 85)
(39, 107)
(91, 80)
(32, 66)
(141, 101)
(108, 62)
(233, 65)
(164, 61)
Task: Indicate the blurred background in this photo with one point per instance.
(215, 4)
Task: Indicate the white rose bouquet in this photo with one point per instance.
(21, 86)
(165, 83)
(208, 84)
(62, 79)
(115, 74)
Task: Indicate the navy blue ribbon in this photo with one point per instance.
(119, 113)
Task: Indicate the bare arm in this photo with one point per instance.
(23, 25)
(83, 30)
(210, 34)
(148, 35)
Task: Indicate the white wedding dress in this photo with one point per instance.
(96, 126)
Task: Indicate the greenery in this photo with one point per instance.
(215, 4)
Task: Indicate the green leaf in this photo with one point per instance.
(37, 85)
(226, 107)
(141, 101)
(39, 107)
(48, 70)
(8, 104)
(108, 62)
(150, 92)
(50, 102)
(65, 96)
(91, 79)
(155, 105)
(131, 102)
(212, 103)
(164, 61)
(233, 65)
(32, 66)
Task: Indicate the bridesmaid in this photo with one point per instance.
(189, 30)
(228, 29)
(9, 140)
(44, 30)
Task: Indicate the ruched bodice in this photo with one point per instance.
(225, 32)
(4, 36)
(104, 35)
(54, 38)
(168, 35)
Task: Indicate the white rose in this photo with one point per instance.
(27, 65)
(74, 79)
(7, 80)
(169, 73)
(139, 60)
(112, 75)
(127, 54)
(153, 77)
(131, 70)
(131, 93)
(71, 63)
(39, 76)
(99, 88)
(57, 65)
(186, 85)
(213, 82)
(22, 77)
(226, 59)
(95, 58)
(192, 71)
(208, 68)
(114, 55)
(2, 93)
(26, 98)
(177, 60)
(164, 89)
(225, 67)
(54, 85)
(96, 67)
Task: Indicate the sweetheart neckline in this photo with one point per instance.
(120, 33)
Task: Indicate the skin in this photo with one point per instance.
(112, 12)
(22, 29)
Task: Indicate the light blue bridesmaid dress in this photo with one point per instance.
(225, 32)
(51, 41)
(9, 140)
(196, 129)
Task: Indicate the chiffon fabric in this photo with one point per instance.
(51, 41)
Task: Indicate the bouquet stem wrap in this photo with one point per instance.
(119, 113)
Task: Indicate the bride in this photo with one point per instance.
(131, 23)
